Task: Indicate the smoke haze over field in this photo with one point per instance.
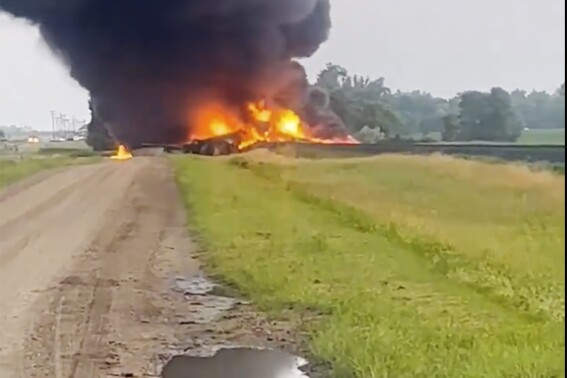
(148, 63)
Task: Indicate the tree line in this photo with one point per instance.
(372, 111)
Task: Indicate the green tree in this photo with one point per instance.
(431, 124)
(361, 102)
(504, 123)
(559, 110)
(420, 112)
(561, 91)
(358, 100)
(488, 116)
(451, 128)
(539, 109)
(332, 77)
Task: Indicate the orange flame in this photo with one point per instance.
(122, 154)
(260, 112)
(266, 125)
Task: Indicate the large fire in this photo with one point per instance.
(260, 123)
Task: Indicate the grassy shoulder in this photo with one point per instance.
(407, 266)
(12, 170)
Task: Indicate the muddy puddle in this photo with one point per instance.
(236, 363)
(204, 307)
(196, 285)
(218, 360)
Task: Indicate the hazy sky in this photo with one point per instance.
(441, 46)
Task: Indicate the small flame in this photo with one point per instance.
(122, 154)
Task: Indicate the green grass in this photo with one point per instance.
(544, 136)
(398, 266)
(70, 152)
(14, 170)
(532, 136)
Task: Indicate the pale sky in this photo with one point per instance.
(440, 46)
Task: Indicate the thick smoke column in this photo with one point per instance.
(148, 63)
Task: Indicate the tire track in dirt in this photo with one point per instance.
(35, 206)
(94, 252)
(112, 309)
(42, 226)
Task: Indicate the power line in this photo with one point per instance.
(64, 126)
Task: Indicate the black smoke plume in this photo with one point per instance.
(148, 63)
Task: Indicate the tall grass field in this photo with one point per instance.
(397, 266)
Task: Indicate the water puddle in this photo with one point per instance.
(237, 363)
(222, 361)
(203, 307)
(197, 285)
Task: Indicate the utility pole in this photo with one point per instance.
(65, 125)
(59, 124)
(53, 125)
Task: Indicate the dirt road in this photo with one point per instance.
(88, 259)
